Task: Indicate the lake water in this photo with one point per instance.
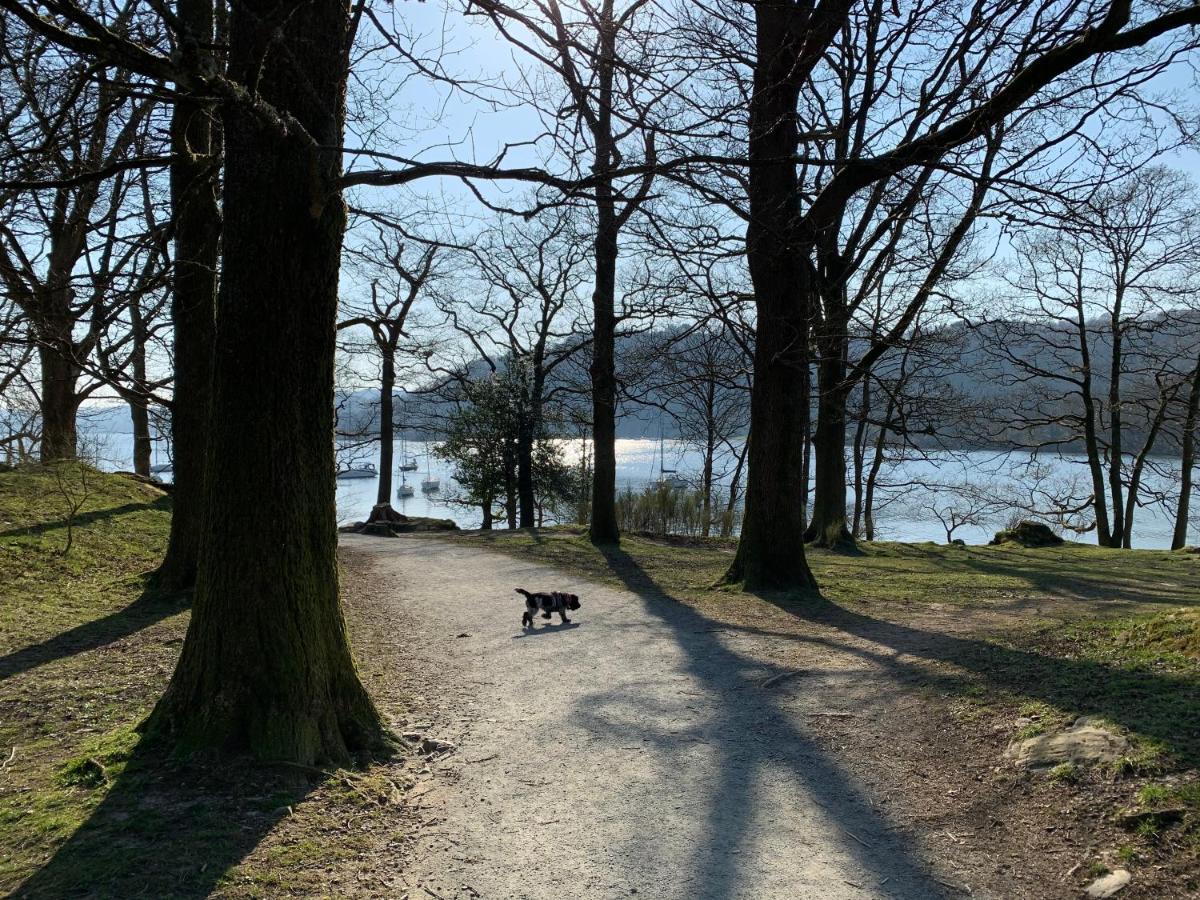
(638, 463)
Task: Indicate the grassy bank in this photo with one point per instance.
(86, 806)
(1011, 641)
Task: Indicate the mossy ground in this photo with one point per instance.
(87, 806)
(1015, 640)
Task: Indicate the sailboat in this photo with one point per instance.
(429, 484)
(407, 463)
(404, 489)
(667, 477)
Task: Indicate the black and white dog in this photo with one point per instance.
(548, 603)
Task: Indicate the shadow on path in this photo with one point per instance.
(1156, 704)
(754, 740)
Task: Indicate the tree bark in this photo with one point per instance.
(827, 522)
(60, 376)
(266, 667)
(196, 221)
(770, 553)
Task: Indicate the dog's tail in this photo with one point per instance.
(524, 592)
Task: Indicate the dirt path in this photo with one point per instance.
(635, 752)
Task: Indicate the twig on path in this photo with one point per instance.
(432, 893)
(11, 757)
(775, 679)
(483, 759)
(857, 838)
(853, 884)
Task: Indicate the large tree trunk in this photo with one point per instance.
(526, 507)
(196, 222)
(266, 666)
(59, 400)
(1187, 462)
(827, 521)
(387, 428)
(770, 553)
(603, 369)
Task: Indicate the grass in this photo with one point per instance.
(1045, 634)
(88, 807)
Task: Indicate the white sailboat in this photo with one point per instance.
(429, 484)
(668, 478)
(404, 489)
(407, 463)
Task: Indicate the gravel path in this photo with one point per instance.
(639, 751)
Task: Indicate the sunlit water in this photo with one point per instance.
(639, 463)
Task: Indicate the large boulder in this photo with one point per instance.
(1028, 534)
(1085, 743)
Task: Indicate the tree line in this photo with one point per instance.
(819, 183)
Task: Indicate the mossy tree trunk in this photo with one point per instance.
(196, 220)
(266, 666)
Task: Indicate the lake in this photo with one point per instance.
(638, 463)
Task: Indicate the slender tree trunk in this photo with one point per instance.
(873, 474)
(1091, 440)
(770, 553)
(266, 666)
(1115, 443)
(827, 523)
(196, 222)
(139, 412)
(510, 485)
(860, 453)
(1139, 466)
(387, 427)
(1187, 462)
(486, 506)
(735, 485)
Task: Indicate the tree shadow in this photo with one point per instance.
(87, 518)
(1158, 705)
(149, 608)
(1068, 574)
(759, 749)
(167, 828)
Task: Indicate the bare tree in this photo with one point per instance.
(396, 283)
(1086, 346)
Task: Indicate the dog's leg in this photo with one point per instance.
(565, 620)
(526, 620)
(545, 614)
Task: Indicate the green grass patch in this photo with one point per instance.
(88, 807)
